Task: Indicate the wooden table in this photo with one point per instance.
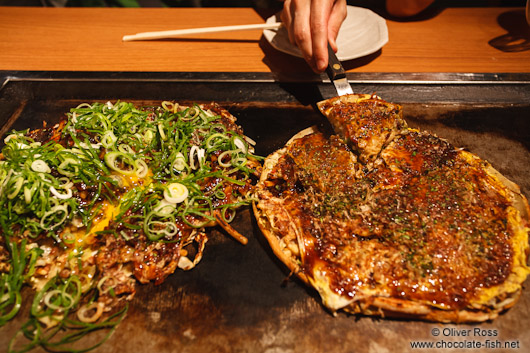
(489, 40)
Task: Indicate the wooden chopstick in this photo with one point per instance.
(182, 32)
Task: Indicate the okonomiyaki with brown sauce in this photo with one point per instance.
(386, 220)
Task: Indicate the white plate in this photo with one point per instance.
(363, 32)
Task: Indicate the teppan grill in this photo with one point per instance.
(241, 298)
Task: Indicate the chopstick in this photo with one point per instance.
(182, 32)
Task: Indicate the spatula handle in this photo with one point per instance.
(335, 70)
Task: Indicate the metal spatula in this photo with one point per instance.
(337, 75)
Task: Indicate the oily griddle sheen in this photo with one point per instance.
(390, 221)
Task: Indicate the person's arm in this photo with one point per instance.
(311, 24)
(406, 8)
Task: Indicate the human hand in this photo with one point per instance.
(311, 24)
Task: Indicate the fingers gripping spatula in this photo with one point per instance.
(336, 74)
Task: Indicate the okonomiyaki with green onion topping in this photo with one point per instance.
(113, 195)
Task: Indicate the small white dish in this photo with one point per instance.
(362, 33)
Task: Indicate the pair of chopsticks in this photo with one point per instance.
(183, 32)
